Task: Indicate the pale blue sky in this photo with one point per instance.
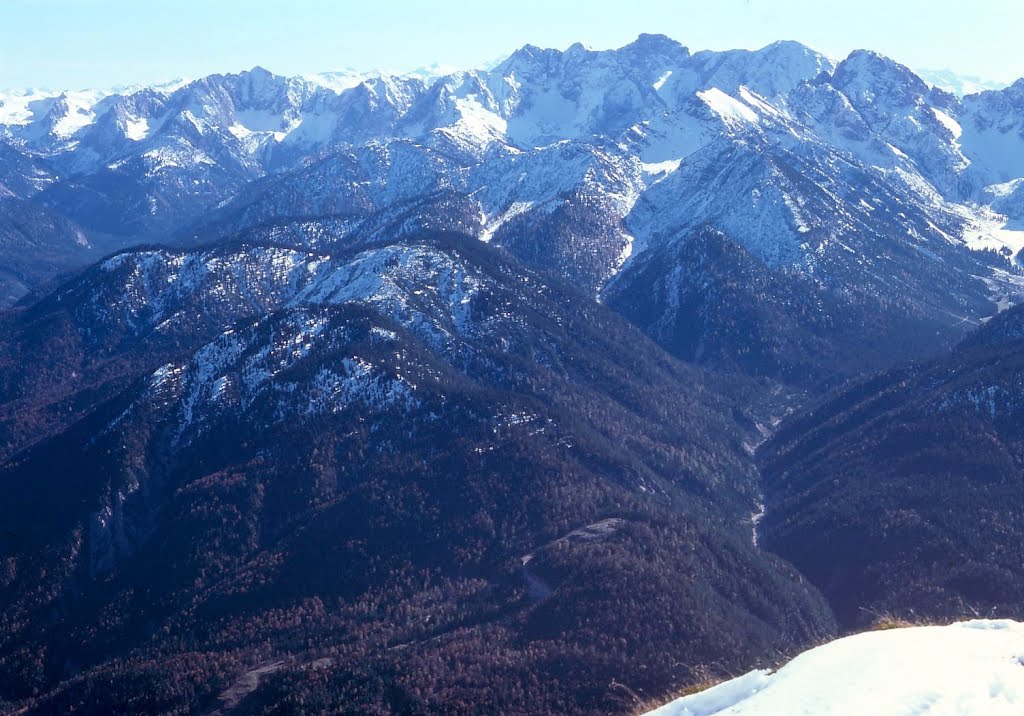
(72, 44)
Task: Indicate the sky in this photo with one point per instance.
(77, 44)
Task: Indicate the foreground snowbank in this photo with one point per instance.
(974, 668)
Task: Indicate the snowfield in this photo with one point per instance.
(974, 668)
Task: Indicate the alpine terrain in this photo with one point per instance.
(558, 387)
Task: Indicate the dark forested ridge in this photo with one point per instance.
(404, 542)
(904, 494)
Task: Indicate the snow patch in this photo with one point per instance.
(662, 80)
(660, 169)
(517, 208)
(969, 669)
(992, 142)
(625, 254)
(167, 158)
(477, 124)
(949, 123)
(897, 151)
(1005, 189)
(992, 232)
(79, 115)
(137, 129)
(726, 107)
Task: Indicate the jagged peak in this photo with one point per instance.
(796, 49)
(530, 51)
(578, 48)
(791, 46)
(461, 82)
(773, 70)
(527, 56)
(657, 42)
(259, 71)
(394, 87)
(255, 74)
(863, 65)
(1014, 90)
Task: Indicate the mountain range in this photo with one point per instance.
(556, 387)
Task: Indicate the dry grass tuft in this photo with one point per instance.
(887, 621)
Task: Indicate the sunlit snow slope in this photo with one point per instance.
(974, 668)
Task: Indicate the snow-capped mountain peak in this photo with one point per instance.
(661, 119)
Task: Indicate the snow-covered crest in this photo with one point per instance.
(970, 669)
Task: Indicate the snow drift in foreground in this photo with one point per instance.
(974, 668)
